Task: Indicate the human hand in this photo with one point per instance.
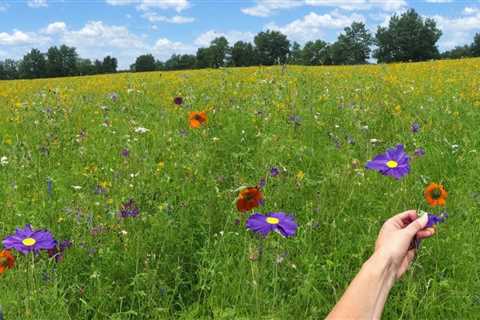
(396, 236)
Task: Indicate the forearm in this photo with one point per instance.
(366, 295)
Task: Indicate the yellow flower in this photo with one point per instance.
(7, 140)
(105, 184)
(300, 175)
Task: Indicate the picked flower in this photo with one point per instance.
(279, 222)
(249, 198)
(7, 261)
(27, 240)
(394, 162)
(435, 194)
(129, 209)
(434, 219)
(196, 119)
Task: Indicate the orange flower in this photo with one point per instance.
(7, 261)
(435, 194)
(195, 119)
(249, 198)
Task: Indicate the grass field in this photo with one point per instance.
(187, 254)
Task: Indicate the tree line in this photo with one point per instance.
(408, 37)
(60, 61)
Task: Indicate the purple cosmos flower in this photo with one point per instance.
(27, 240)
(415, 127)
(125, 153)
(395, 163)
(434, 219)
(129, 209)
(273, 221)
(274, 171)
(178, 100)
(419, 152)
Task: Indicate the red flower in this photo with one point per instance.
(7, 261)
(196, 119)
(249, 198)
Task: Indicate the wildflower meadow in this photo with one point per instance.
(240, 193)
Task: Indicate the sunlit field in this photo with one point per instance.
(141, 195)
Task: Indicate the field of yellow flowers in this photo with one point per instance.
(131, 192)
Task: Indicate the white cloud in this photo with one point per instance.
(20, 38)
(265, 8)
(98, 34)
(470, 10)
(146, 5)
(153, 17)
(313, 26)
(37, 3)
(458, 30)
(55, 28)
(164, 48)
(205, 38)
(3, 7)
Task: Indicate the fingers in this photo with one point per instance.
(404, 218)
(426, 233)
(417, 225)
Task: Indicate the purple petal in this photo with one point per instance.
(258, 224)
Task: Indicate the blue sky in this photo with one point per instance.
(128, 28)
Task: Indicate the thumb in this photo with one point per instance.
(417, 225)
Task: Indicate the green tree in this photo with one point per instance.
(109, 64)
(219, 52)
(204, 58)
(85, 67)
(10, 68)
(315, 53)
(33, 65)
(408, 37)
(458, 52)
(69, 59)
(2, 71)
(159, 65)
(243, 54)
(145, 62)
(272, 47)
(353, 45)
(296, 54)
(54, 62)
(62, 61)
(97, 67)
(475, 47)
(181, 62)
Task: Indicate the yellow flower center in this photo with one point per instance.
(392, 164)
(272, 220)
(29, 242)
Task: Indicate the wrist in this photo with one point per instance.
(382, 267)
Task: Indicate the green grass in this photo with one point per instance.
(185, 256)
